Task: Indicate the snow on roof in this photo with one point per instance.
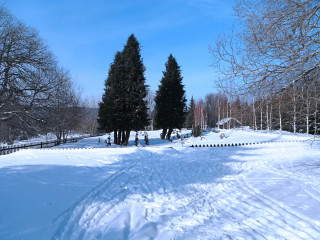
(225, 120)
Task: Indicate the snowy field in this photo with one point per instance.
(166, 190)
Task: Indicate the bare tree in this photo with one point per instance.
(274, 47)
(200, 115)
(63, 111)
(275, 38)
(89, 115)
(26, 67)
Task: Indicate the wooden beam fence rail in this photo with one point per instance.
(15, 148)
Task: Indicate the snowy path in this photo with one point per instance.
(268, 191)
(210, 197)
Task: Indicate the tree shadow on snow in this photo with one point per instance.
(145, 172)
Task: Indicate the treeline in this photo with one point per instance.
(295, 111)
(37, 96)
(271, 61)
(206, 113)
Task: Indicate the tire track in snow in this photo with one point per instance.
(297, 172)
(71, 217)
(89, 211)
(200, 208)
(297, 175)
(297, 224)
(241, 209)
(164, 202)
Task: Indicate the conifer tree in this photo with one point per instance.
(123, 107)
(170, 99)
(110, 117)
(190, 115)
(136, 89)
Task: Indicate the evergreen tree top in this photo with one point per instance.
(172, 63)
(132, 46)
(131, 53)
(192, 102)
(132, 39)
(172, 72)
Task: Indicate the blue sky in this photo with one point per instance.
(84, 35)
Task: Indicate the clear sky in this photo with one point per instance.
(84, 35)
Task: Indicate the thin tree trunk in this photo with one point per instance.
(270, 118)
(124, 140)
(127, 136)
(115, 136)
(315, 120)
(164, 132)
(254, 116)
(219, 118)
(280, 117)
(230, 109)
(119, 137)
(227, 114)
(294, 117)
(169, 133)
(267, 117)
(308, 106)
(261, 116)
(59, 137)
(294, 110)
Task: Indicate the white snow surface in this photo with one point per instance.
(166, 190)
(225, 120)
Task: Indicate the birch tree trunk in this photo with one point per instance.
(261, 115)
(270, 118)
(267, 117)
(254, 116)
(315, 120)
(280, 119)
(219, 111)
(294, 110)
(308, 111)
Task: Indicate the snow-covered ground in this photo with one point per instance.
(86, 190)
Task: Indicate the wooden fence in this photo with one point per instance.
(15, 148)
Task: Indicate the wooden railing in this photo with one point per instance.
(15, 148)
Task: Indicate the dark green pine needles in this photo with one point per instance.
(123, 107)
(170, 100)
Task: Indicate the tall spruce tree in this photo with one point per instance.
(110, 117)
(135, 86)
(170, 99)
(123, 107)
